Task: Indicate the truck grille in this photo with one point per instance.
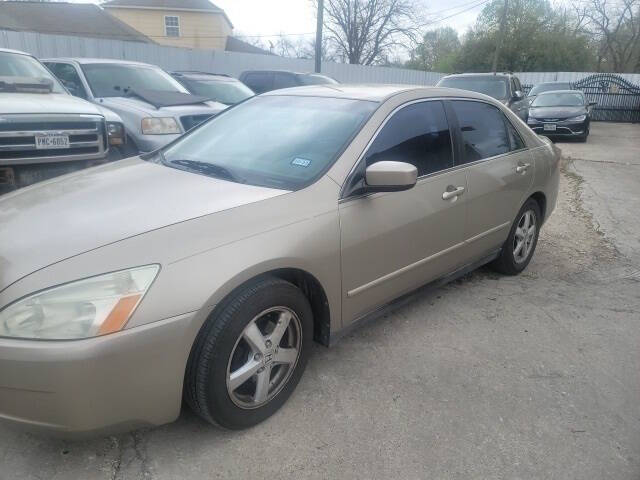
(87, 138)
(190, 121)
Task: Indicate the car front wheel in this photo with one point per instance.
(249, 357)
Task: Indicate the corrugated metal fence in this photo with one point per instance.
(232, 63)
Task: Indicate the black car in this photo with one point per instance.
(261, 81)
(218, 87)
(563, 113)
(504, 87)
(547, 87)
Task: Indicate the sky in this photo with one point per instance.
(262, 18)
(273, 17)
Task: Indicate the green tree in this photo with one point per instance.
(438, 51)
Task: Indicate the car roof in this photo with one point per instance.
(285, 71)
(553, 83)
(485, 74)
(562, 91)
(373, 92)
(85, 61)
(204, 75)
(18, 52)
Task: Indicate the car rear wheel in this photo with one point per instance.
(249, 357)
(523, 237)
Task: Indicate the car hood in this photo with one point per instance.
(556, 112)
(67, 216)
(139, 105)
(15, 103)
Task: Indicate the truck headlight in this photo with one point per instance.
(579, 118)
(85, 308)
(160, 126)
(115, 133)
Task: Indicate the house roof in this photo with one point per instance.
(236, 45)
(78, 19)
(204, 6)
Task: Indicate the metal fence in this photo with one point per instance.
(618, 103)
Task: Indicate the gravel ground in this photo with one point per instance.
(525, 377)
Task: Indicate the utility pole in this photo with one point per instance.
(503, 22)
(319, 36)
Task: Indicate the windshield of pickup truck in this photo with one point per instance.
(284, 142)
(15, 68)
(489, 85)
(116, 80)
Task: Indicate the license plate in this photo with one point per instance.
(549, 127)
(47, 141)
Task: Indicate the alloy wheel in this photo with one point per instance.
(264, 357)
(524, 237)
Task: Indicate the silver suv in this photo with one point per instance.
(155, 108)
(44, 131)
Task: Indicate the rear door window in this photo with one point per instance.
(416, 134)
(483, 128)
(259, 82)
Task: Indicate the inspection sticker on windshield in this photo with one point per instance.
(301, 162)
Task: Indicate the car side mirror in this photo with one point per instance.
(390, 176)
(518, 95)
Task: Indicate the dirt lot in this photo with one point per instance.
(534, 377)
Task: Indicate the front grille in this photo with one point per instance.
(87, 137)
(190, 121)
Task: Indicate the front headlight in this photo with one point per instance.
(160, 126)
(579, 118)
(531, 120)
(115, 133)
(82, 309)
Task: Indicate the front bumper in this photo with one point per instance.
(102, 385)
(563, 129)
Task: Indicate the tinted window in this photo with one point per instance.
(259, 82)
(495, 87)
(569, 99)
(483, 130)
(312, 79)
(69, 77)
(547, 87)
(281, 141)
(284, 80)
(417, 134)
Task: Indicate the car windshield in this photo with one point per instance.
(547, 87)
(283, 142)
(493, 86)
(312, 79)
(223, 91)
(558, 100)
(116, 80)
(16, 68)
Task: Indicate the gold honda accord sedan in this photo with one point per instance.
(204, 270)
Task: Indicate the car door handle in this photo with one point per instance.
(452, 192)
(522, 167)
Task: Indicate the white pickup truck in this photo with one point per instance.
(45, 131)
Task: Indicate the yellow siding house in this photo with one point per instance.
(178, 23)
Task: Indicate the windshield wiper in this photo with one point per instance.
(208, 169)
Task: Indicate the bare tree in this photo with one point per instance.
(367, 31)
(616, 26)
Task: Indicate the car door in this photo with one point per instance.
(393, 242)
(499, 171)
(520, 104)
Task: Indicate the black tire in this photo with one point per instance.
(506, 262)
(206, 376)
